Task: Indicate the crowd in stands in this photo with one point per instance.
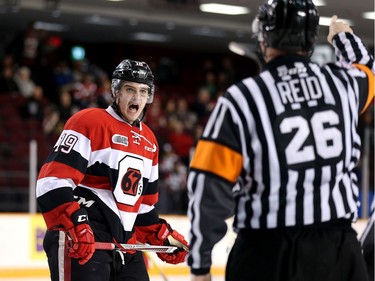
(39, 91)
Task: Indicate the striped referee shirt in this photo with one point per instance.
(279, 149)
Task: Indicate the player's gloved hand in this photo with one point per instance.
(337, 27)
(166, 236)
(81, 237)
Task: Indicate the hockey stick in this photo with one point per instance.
(135, 247)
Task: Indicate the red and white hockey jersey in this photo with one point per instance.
(109, 167)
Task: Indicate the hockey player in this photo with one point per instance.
(100, 184)
(279, 151)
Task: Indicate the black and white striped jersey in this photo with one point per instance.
(279, 149)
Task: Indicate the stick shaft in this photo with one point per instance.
(135, 247)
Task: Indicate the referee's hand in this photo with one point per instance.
(206, 277)
(337, 27)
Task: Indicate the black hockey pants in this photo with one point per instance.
(329, 252)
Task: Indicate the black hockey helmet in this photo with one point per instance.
(287, 24)
(133, 71)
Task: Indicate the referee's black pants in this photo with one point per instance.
(325, 253)
(103, 266)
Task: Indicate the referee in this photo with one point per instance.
(279, 151)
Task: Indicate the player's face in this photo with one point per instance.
(132, 99)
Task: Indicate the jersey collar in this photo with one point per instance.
(114, 114)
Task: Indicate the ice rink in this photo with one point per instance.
(31, 272)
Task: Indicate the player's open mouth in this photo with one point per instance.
(133, 107)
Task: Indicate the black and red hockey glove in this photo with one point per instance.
(162, 234)
(81, 241)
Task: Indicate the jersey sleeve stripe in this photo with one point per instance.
(227, 165)
(150, 199)
(47, 184)
(55, 198)
(371, 86)
(52, 217)
(60, 170)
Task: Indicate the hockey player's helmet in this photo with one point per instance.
(287, 24)
(133, 71)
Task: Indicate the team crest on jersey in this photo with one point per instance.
(119, 139)
(136, 138)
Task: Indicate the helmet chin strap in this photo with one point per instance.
(261, 54)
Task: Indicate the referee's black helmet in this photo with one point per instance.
(287, 24)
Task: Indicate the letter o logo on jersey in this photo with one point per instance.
(129, 185)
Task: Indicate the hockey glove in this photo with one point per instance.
(81, 241)
(337, 27)
(164, 235)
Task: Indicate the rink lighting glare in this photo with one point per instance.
(150, 37)
(99, 20)
(237, 49)
(326, 21)
(223, 9)
(319, 2)
(50, 26)
(369, 15)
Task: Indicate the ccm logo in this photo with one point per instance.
(82, 218)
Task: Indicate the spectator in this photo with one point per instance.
(57, 115)
(62, 74)
(183, 114)
(33, 108)
(26, 46)
(170, 107)
(175, 183)
(180, 140)
(166, 71)
(210, 82)
(167, 159)
(227, 74)
(157, 120)
(84, 91)
(103, 92)
(7, 83)
(202, 106)
(24, 82)
(197, 132)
